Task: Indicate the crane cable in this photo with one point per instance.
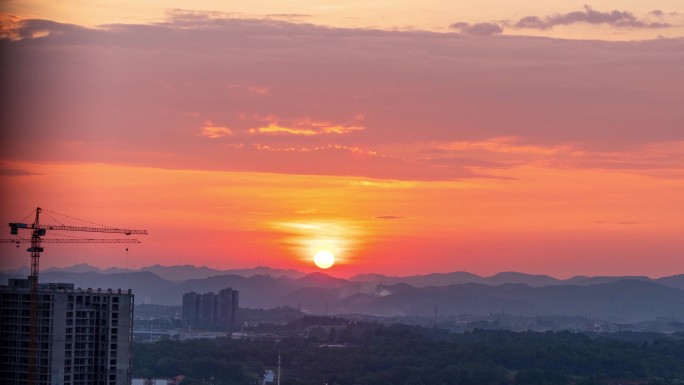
(53, 218)
(26, 218)
(78, 219)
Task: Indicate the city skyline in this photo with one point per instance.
(487, 139)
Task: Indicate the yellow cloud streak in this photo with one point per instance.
(214, 132)
(318, 130)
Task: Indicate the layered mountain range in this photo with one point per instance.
(620, 299)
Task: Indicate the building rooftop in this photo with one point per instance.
(23, 284)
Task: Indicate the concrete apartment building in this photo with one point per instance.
(84, 335)
(210, 311)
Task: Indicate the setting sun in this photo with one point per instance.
(324, 259)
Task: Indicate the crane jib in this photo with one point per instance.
(72, 240)
(14, 229)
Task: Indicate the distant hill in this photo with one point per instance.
(582, 280)
(468, 298)
(434, 279)
(611, 298)
(514, 277)
(460, 277)
(622, 301)
(180, 273)
(78, 268)
(672, 281)
(142, 284)
(172, 273)
(185, 272)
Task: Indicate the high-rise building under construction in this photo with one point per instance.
(83, 336)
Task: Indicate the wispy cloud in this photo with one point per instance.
(461, 108)
(388, 217)
(213, 131)
(505, 145)
(304, 127)
(619, 222)
(259, 90)
(10, 26)
(477, 29)
(510, 152)
(288, 16)
(15, 172)
(321, 130)
(615, 18)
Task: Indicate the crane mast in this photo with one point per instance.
(35, 250)
(39, 230)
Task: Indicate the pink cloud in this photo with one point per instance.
(153, 94)
(615, 18)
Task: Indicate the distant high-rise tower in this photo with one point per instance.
(84, 335)
(210, 311)
(206, 317)
(228, 302)
(190, 309)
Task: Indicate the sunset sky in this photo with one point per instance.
(406, 137)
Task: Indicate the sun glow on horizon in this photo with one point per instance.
(324, 259)
(339, 237)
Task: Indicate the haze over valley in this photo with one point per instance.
(617, 299)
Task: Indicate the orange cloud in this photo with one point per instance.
(304, 128)
(9, 25)
(259, 90)
(510, 151)
(214, 132)
(505, 145)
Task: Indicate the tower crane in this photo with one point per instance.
(39, 230)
